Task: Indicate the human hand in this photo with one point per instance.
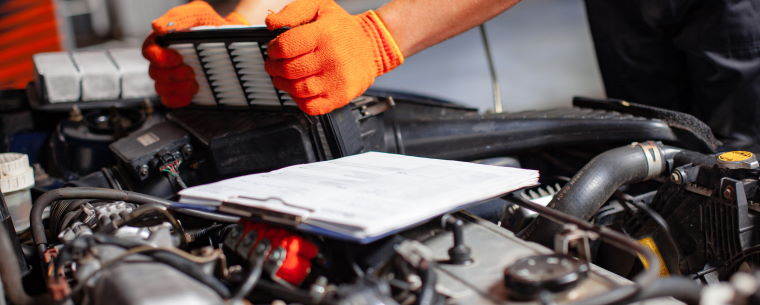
(328, 57)
(175, 81)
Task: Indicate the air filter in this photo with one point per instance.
(229, 65)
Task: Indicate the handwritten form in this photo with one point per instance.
(365, 195)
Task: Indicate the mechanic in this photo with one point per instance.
(697, 57)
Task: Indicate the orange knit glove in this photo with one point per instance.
(328, 57)
(175, 81)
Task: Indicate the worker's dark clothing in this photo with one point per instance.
(696, 56)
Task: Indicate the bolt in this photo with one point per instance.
(75, 115)
(144, 170)
(676, 178)
(249, 239)
(187, 150)
(415, 282)
(277, 255)
(147, 106)
(319, 288)
(728, 193)
(262, 246)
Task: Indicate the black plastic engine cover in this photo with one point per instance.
(239, 142)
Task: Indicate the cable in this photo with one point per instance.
(46, 199)
(618, 294)
(128, 244)
(251, 279)
(166, 256)
(171, 169)
(428, 295)
(656, 217)
(147, 209)
(10, 274)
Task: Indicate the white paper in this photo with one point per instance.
(367, 194)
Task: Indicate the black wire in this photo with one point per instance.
(181, 183)
(656, 217)
(428, 295)
(181, 264)
(253, 276)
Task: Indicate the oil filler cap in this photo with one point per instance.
(528, 277)
(738, 159)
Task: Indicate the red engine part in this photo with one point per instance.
(288, 255)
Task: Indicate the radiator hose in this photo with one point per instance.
(596, 182)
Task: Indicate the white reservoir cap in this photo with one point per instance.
(16, 178)
(15, 172)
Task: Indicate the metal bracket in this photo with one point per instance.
(369, 107)
(573, 237)
(414, 252)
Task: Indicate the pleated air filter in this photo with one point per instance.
(229, 65)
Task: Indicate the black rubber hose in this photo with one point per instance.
(683, 289)
(10, 273)
(191, 269)
(428, 295)
(253, 276)
(46, 199)
(595, 183)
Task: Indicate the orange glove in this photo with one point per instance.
(175, 81)
(329, 56)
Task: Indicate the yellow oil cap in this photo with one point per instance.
(737, 159)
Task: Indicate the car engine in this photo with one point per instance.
(635, 204)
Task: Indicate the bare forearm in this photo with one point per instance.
(255, 11)
(419, 24)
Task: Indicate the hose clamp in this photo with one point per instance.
(654, 158)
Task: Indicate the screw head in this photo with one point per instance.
(144, 170)
(728, 192)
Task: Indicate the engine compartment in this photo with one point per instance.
(635, 204)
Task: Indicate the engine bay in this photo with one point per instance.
(634, 204)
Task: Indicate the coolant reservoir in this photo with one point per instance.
(16, 178)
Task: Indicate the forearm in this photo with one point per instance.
(255, 11)
(419, 24)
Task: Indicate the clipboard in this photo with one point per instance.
(360, 198)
